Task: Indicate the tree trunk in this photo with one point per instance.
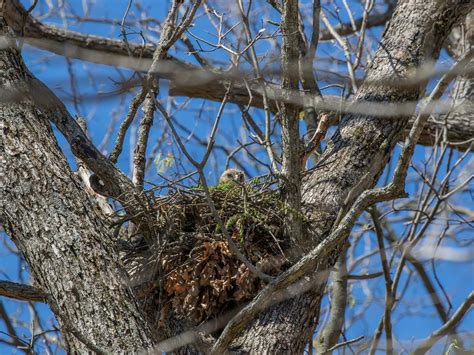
(70, 250)
(357, 153)
(57, 227)
(458, 126)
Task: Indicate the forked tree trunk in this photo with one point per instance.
(70, 250)
(357, 154)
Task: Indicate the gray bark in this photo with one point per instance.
(460, 123)
(358, 152)
(70, 250)
(57, 226)
(290, 136)
(329, 335)
(457, 128)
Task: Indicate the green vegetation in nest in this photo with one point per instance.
(199, 276)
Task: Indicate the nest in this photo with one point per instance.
(196, 275)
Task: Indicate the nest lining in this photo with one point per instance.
(196, 274)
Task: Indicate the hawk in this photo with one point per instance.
(234, 175)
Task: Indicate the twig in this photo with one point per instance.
(132, 111)
(266, 141)
(447, 327)
(345, 47)
(340, 345)
(365, 276)
(369, 4)
(309, 262)
(11, 332)
(376, 338)
(387, 319)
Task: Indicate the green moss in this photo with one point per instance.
(359, 132)
(197, 187)
(220, 187)
(225, 186)
(232, 221)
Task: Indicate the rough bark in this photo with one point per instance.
(457, 128)
(459, 125)
(57, 227)
(21, 292)
(71, 251)
(290, 136)
(285, 329)
(360, 148)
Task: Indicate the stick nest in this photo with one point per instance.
(195, 273)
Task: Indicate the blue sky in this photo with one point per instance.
(457, 277)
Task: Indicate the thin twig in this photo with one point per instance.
(309, 262)
(340, 345)
(387, 318)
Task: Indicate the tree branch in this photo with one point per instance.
(290, 136)
(395, 189)
(346, 29)
(208, 84)
(387, 318)
(328, 336)
(447, 327)
(21, 292)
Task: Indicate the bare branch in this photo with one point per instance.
(447, 327)
(329, 335)
(340, 345)
(367, 198)
(290, 136)
(21, 292)
(132, 111)
(387, 318)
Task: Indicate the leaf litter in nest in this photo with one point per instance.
(199, 275)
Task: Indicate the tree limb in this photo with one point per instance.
(208, 84)
(21, 292)
(328, 336)
(447, 327)
(333, 186)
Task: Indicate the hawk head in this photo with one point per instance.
(234, 175)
